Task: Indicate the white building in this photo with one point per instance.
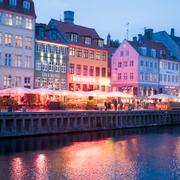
(169, 76)
(17, 38)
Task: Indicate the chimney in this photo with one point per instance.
(134, 39)
(148, 34)
(140, 36)
(109, 40)
(172, 32)
(69, 17)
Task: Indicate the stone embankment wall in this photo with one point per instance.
(28, 124)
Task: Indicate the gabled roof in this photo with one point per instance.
(19, 8)
(149, 44)
(176, 39)
(73, 28)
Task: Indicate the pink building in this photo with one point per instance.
(135, 67)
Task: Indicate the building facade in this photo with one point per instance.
(51, 59)
(88, 58)
(17, 37)
(135, 67)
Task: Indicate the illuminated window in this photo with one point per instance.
(17, 60)
(98, 56)
(18, 41)
(26, 5)
(8, 19)
(72, 51)
(28, 42)
(27, 61)
(7, 80)
(100, 43)
(57, 67)
(29, 23)
(18, 20)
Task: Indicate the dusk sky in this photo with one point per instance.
(113, 15)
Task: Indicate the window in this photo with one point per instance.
(160, 77)
(119, 64)
(71, 68)
(87, 41)
(165, 77)
(131, 63)
(119, 76)
(100, 43)
(26, 5)
(57, 67)
(44, 66)
(169, 78)
(7, 81)
(173, 66)
(125, 63)
(72, 51)
(38, 66)
(51, 66)
(29, 24)
(28, 42)
(79, 52)
(0, 14)
(13, 3)
(27, 80)
(131, 76)
(142, 63)
(64, 51)
(104, 56)
(17, 60)
(63, 68)
(103, 72)
(169, 66)
(173, 79)
(85, 70)
(177, 79)
(127, 53)
(8, 19)
(8, 39)
(58, 50)
(18, 20)
(38, 47)
(98, 56)
(27, 62)
(125, 76)
(18, 41)
(91, 54)
(8, 58)
(38, 82)
(86, 54)
(153, 52)
(91, 71)
(141, 76)
(121, 53)
(151, 64)
(0, 38)
(97, 71)
(74, 37)
(78, 69)
(147, 63)
(177, 68)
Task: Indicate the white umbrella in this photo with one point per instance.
(96, 93)
(120, 94)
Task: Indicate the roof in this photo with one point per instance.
(19, 8)
(47, 36)
(66, 28)
(149, 44)
(176, 39)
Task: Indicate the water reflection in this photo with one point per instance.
(150, 153)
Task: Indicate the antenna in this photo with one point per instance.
(127, 31)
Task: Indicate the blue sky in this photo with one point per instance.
(113, 15)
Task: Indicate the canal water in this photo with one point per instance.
(150, 153)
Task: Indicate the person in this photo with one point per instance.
(120, 105)
(115, 104)
(10, 108)
(23, 108)
(105, 105)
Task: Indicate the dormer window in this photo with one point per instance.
(26, 5)
(143, 51)
(13, 3)
(87, 41)
(100, 43)
(74, 37)
(153, 52)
